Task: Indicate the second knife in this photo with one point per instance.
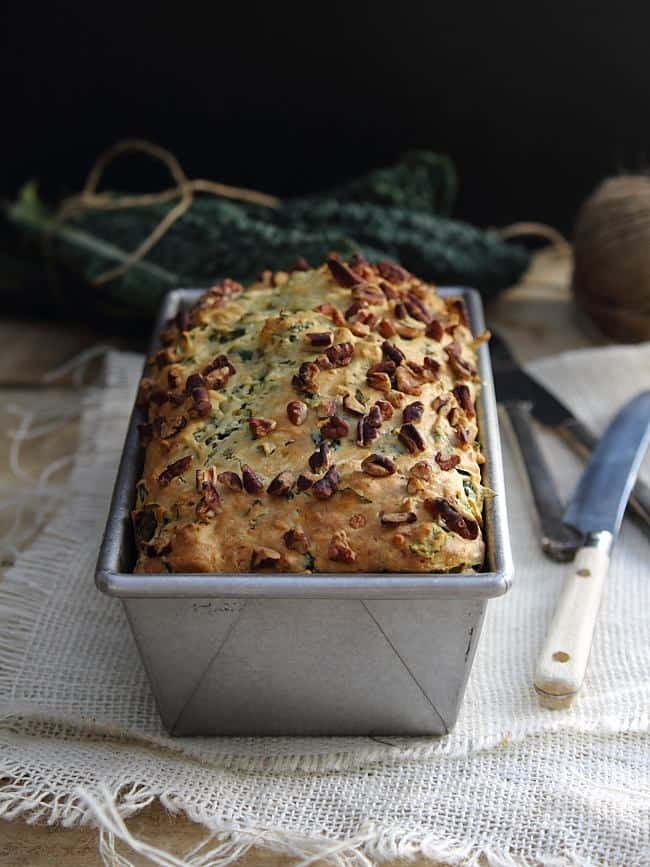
(513, 383)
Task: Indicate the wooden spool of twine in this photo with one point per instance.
(611, 278)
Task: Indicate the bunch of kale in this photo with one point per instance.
(400, 213)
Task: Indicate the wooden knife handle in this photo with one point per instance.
(563, 660)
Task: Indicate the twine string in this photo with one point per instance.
(536, 230)
(89, 199)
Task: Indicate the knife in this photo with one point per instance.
(512, 383)
(596, 511)
(559, 542)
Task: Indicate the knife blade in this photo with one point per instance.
(513, 383)
(596, 510)
(558, 541)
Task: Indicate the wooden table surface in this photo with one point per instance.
(537, 318)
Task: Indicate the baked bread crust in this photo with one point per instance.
(320, 421)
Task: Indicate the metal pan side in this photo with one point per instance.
(117, 552)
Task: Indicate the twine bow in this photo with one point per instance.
(184, 190)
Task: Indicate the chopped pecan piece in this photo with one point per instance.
(339, 355)
(440, 401)
(335, 428)
(145, 524)
(303, 482)
(165, 357)
(464, 398)
(452, 519)
(367, 317)
(366, 292)
(218, 372)
(201, 405)
(343, 275)
(385, 409)
(457, 306)
(301, 264)
(210, 502)
(400, 311)
(195, 380)
(265, 558)
(174, 470)
(318, 338)
(386, 366)
(230, 480)
(447, 463)
(217, 363)
(174, 326)
(261, 427)
(378, 465)
(296, 540)
(395, 398)
(173, 378)
(405, 381)
(386, 328)
(357, 521)
(251, 481)
(388, 291)
(219, 294)
(462, 436)
(355, 308)
(281, 484)
(353, 405)
(368, 426)
(380, 381)
(340, 549)
(431, 367)
(358, 262)
(319, 460)
(297, 412)
(328, 485)
(159, 548)
(326, 408)
(411, 437)
(416, 369)
(307, 377)
(331, 311)
(390, 519)
(389, 350)
(421, 470)
(169, 427)
(417, 309)
(392, 272)
(413, 412)
(435, 330)
(460, 367)
(195, 387)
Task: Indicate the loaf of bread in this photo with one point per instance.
(322, 420)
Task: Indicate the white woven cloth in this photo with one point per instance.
(80, 739)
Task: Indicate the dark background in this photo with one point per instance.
(536, 102)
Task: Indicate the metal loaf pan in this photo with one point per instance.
(291, 654)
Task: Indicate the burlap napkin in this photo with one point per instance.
(81, 739)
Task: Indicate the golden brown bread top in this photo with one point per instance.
(322, 420)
